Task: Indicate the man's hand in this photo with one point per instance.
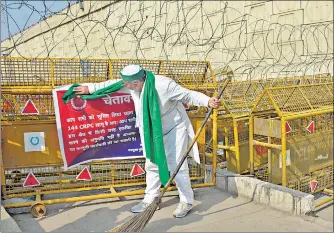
(81, 90)
(214, 102)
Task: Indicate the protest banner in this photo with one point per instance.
(98, 129)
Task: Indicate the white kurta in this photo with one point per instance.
(175, 121)
(176, 128)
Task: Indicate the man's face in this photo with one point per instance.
(134, 85)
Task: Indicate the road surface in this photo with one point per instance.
(214, 210)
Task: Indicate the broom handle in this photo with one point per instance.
(185, 155)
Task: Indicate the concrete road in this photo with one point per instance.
(325, 211)
(213, 211)
(7, 224)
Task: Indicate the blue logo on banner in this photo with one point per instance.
(34, 141)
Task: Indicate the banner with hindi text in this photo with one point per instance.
(98, 129)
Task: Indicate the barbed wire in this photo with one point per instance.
(250, 46)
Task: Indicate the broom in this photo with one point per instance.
(138, 222)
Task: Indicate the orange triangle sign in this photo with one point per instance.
(31, 181)
(313, 185)
(287, 127)
(310, 127)
(136, 170)
(29, 108)
(84, 175)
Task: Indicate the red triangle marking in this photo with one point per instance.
(287, 127)
(186, 106)
(30, 108)
(313, 185)
(7, 106)
(84, 175)
(240, 127)
(310, 127)
(31, 180)
(136, 170)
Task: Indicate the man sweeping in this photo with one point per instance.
(164, 127)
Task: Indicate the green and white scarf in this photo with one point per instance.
(152, 127)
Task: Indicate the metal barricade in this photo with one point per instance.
(295, 126)
(231, 133)
(34, 79)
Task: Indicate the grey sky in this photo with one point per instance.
(17, 15)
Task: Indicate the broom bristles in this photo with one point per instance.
(139, 221)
